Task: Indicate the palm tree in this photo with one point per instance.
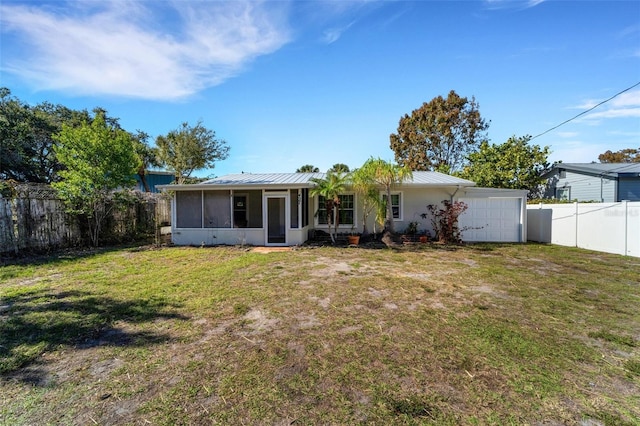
(387, 175)
(340, 168)
(308, 168)
(363, 183)
(330, 188)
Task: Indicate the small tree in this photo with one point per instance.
(387, 175)
(147, 157)
(445, 220)
(98, 158)
(364, 185)
(190, 148)
(330, 189)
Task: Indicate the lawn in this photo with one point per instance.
(473, 335)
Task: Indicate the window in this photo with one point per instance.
(347, 210)
(563, 193)
(240, 210)
(396, 205)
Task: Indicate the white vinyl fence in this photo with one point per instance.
(607, 227)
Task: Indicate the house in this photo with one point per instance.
(601, 182)
(154, 178)
(276, 209)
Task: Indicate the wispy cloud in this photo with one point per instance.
(332, 35)
(626, 105)
(151, 50)
(511, 4)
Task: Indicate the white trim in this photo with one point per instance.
(265, 215)
(317, 225)
(400, 217)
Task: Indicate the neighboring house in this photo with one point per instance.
(276, 209)
(601, 182)
(154, 178)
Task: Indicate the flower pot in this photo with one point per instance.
(424, 239)
(354, 240)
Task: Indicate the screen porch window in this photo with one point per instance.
(347, 207)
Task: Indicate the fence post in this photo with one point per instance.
(576, 219)
(626, 225)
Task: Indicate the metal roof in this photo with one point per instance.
(610, 169)
(265, 179)
(301, 180)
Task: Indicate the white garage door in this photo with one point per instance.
(491, 220)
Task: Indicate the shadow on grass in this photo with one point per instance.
(39, 321)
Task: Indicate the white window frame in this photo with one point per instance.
(563, 189)
(400, 195)
(341, 225)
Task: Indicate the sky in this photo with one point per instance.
(288, 83)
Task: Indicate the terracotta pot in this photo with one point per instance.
(353, 239)
(424, 239)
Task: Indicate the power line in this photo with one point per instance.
(585, 112)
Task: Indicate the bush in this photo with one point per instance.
(445, 220)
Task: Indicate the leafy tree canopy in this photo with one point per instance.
(628, 155)
(98, 158)
(330, 187)
(439, 135)
(190, 148)
(514, 164)
(26, 138)
(307, 168)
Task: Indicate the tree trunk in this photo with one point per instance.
(143, 179)
(388, 225)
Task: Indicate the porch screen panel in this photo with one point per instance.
(305, 207)
(294, 208)
(217, 209)
(254, 214)
(189, 209)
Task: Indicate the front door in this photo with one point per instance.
(276, 220)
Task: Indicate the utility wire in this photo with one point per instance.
(585, 112)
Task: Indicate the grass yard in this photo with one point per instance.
(474, 335)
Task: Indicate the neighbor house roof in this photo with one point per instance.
(304, 180)
(600, 169)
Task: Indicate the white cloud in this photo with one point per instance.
(332, 35)
(625, 105)
(512, 4)
(126, 49)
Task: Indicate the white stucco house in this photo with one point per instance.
(276, 209)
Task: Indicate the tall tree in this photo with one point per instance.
(628, 155)
(188, 148)
(339, 168)
(330, 187)
(439, 135)
(147, 157)
(26, 138)
(307, 168)
(514, 164)
(388, 176)
(98, 158)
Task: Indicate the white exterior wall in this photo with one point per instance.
(608, 227)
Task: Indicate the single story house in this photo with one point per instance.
(276, 209)
(601, 182)
(154, 178)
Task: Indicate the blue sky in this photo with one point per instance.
(288, 83)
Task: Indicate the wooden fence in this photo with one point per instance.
(33, 219)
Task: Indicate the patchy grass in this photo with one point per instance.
(481, 334)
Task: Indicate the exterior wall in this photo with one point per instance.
(629, 189)
(584, 187)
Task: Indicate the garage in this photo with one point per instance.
(493, 218)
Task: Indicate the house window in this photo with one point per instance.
(396, 204)
(563, 193)
(347, 210)
(240, 208)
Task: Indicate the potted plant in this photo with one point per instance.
(353, 237)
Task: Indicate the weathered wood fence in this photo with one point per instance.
(33, 219)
